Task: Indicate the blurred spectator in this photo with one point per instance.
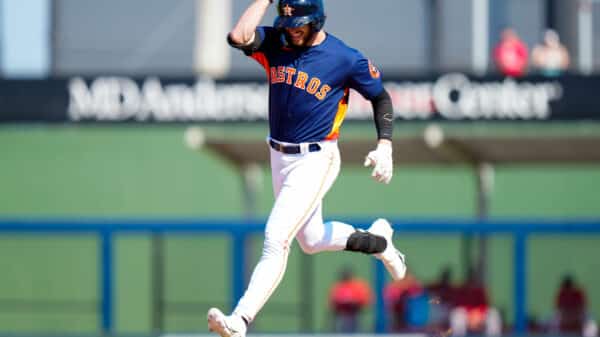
(442, 294)
(472, 313)
(347, 297)
(511, 54)
(571, 310)
(550, 57)
(407, 303)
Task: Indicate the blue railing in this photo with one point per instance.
(239, 231)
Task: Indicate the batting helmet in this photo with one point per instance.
(296, 13)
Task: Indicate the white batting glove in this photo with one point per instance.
(381, 160)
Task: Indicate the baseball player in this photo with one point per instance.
(310, 73)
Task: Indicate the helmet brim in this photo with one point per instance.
(282, 22)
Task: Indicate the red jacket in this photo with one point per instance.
(570, 303)
(511, 57)
(350, 296)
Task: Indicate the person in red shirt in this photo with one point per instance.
(511, 54)
(570, 304)
(347, 298)
(472, 312)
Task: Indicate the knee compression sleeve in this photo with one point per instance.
(365, 242)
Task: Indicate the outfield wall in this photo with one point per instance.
(132, 172)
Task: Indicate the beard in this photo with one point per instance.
(300, 43)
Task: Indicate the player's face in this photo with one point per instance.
(299, 36)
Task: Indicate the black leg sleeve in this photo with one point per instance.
(365, 242)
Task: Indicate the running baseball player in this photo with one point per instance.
(310, 73)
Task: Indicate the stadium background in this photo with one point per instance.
(49, 284)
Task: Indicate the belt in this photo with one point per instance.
(293, 149)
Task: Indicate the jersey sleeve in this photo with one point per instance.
(258, 49)
(365, 78)
(260, 43)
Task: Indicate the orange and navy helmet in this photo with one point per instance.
(296, 13)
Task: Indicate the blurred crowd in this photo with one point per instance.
(548, 58)
(444, 308)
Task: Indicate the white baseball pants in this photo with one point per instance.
(300, 181)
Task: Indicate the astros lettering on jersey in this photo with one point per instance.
(308, 97)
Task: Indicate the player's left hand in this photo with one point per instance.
(381, 160)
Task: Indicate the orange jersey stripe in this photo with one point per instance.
(262, 59)
(339, 116)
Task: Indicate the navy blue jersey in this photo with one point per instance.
(309, 87)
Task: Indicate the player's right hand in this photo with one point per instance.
(381, 161)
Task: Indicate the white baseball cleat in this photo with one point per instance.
(225, 326)
(392, 259)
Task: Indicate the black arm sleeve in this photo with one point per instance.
(250, 48)
(383, 114)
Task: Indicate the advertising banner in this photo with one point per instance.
(452, 96)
